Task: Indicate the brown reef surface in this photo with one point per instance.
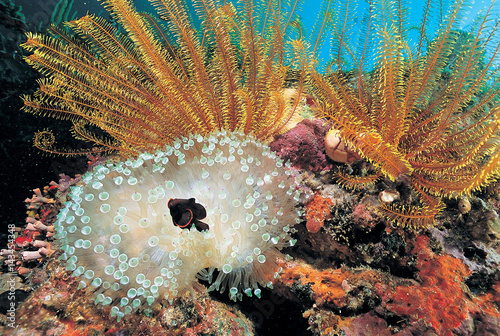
(357, 275)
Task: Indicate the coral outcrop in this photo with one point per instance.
(303, 145)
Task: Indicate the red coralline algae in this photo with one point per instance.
(32, 244)
(303, 145)
(439, 299)
(331, 287)
(317, 211)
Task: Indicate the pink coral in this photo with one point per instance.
(31, 243)
(304, 146)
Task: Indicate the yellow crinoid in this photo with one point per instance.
(426, 107)
(150, 79)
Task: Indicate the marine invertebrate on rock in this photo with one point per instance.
(324, 287)
(192, 315)
(440, 297)
(317, 211)
(361, 216)
(436, 300)
(303, 145)
(199, 190)
(464, 205)
(430, 113)
(337, 150)
(338, 289)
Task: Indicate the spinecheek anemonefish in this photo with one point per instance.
(185, 212)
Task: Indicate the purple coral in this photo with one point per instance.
(304, 145)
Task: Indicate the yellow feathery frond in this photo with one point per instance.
(430, 112)
(146, 83)
(388, 107)
(412, 216)
(342, 107)
(354, 182)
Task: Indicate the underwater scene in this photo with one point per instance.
(210, 167)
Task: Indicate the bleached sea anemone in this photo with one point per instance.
(118, 235)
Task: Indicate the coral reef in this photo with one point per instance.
(372, 278)
(438, 298)
(142, 235)
(364, 301)
(369, 277)
(58, 308)
(150, 89)
(474, 237)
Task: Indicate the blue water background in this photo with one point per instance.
(309, 10)
(472, 12)
(40, 11)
